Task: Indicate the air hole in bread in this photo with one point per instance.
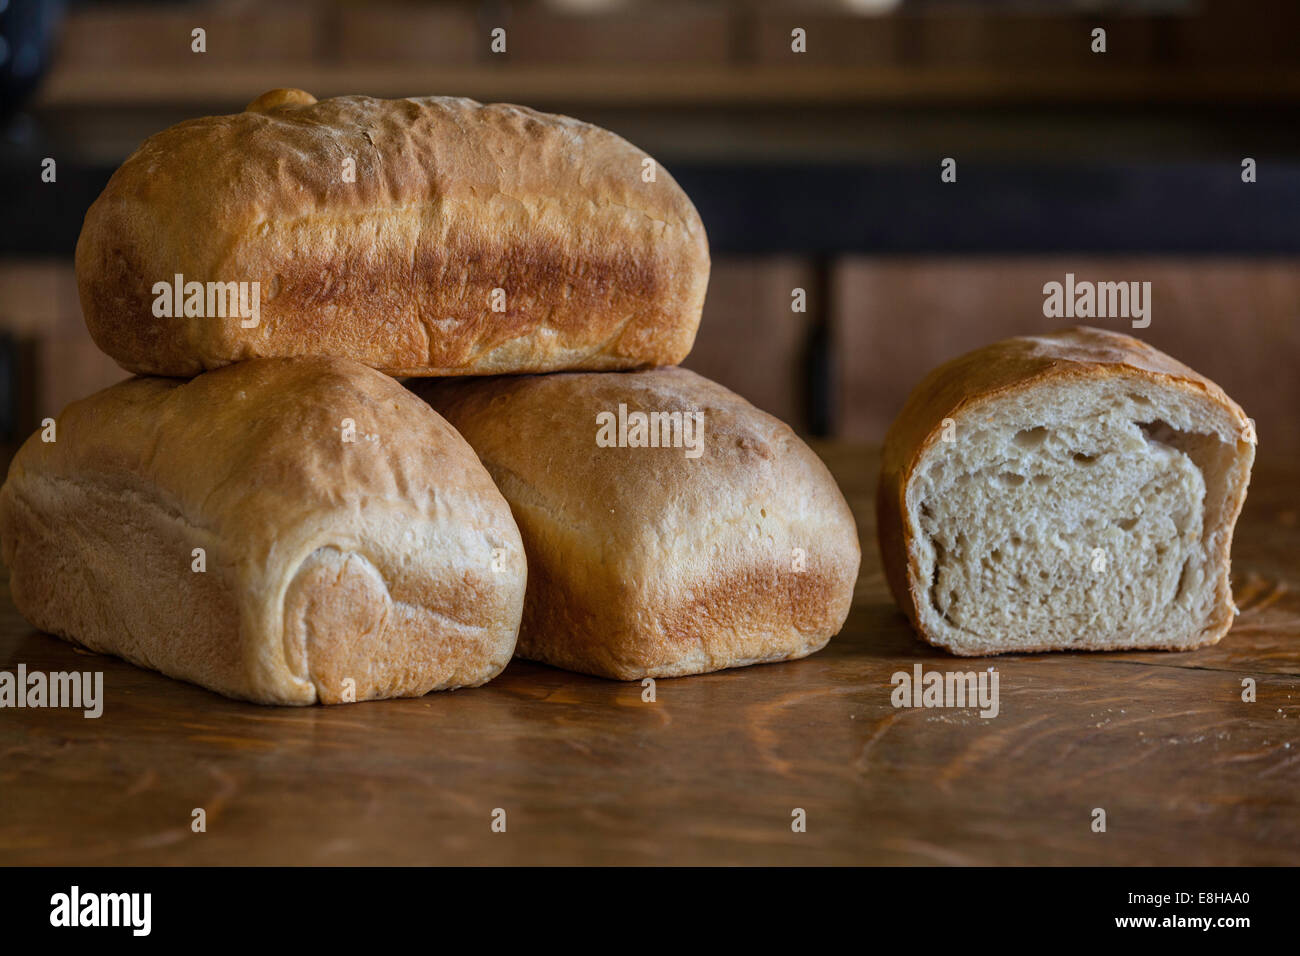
(1159, 432)
(1080, 458)
(1030, 438)
(1011, 479)
(1182, 581)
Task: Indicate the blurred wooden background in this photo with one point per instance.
(720, 50)
(1235, 321)
(716, 83)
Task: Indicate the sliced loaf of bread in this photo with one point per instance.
(1073, 491)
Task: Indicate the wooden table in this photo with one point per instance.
(710, 773)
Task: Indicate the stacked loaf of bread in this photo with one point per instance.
(268, 512)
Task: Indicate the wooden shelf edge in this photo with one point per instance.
(670, 85)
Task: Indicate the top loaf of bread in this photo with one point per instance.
(424, 236)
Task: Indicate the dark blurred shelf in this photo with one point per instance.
(876, 208)
(1181, 208)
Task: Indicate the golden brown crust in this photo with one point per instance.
(644, 562)
(390, 560)
(451, 200)
(1014, 365)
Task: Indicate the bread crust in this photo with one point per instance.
(1016, 365)
(644, 562)
(390, 560)
(451, 200)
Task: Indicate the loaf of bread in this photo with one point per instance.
(1073, 491)
(705, 535)
(284, 531)
(429, 236)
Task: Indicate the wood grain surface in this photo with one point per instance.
(710, 773)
